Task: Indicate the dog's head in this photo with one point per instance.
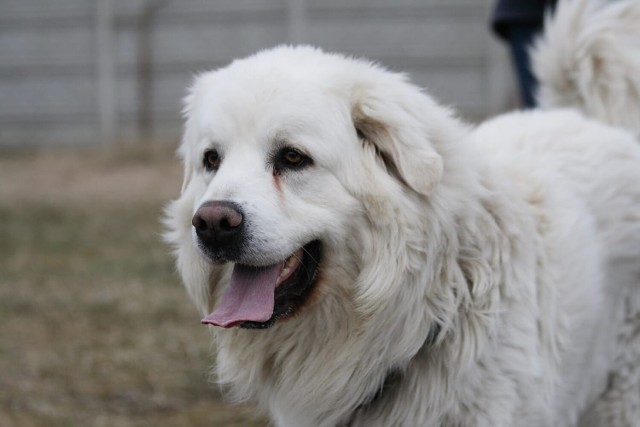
(293, 159)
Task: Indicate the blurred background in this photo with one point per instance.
(95, 329)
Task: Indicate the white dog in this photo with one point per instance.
(373, 261)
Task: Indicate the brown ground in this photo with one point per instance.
(95, 328)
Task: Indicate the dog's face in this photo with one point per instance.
(285, 166)
(265, 171)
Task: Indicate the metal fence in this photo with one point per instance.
(78, 72)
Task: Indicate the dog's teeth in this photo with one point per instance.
(291, 261)
(289, 266)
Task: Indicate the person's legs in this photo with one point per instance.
(520, 38)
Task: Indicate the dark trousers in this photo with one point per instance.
(520, 38)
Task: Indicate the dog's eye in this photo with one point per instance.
(290, 158)
(211, 160)
(293, 158)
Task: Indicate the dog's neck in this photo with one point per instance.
(392, 380)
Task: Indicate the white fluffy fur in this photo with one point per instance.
(589, 58)
(520, 239)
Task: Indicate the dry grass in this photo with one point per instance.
(95, 329)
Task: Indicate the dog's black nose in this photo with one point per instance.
(219, 225)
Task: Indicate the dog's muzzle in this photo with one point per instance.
(220, 227)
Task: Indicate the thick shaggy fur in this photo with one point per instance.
(495, 271)
(589, 58)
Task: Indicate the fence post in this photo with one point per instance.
(297, 21)
(144, 67)
(106, 71)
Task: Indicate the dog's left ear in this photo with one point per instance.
(394, 120)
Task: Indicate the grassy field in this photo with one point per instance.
(95, 328)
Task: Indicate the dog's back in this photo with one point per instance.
(589, 59)
(580, 179)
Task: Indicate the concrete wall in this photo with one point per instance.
(50, 50)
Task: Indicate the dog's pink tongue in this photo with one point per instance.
(249, 297)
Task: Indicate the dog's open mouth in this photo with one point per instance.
(258, 296)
